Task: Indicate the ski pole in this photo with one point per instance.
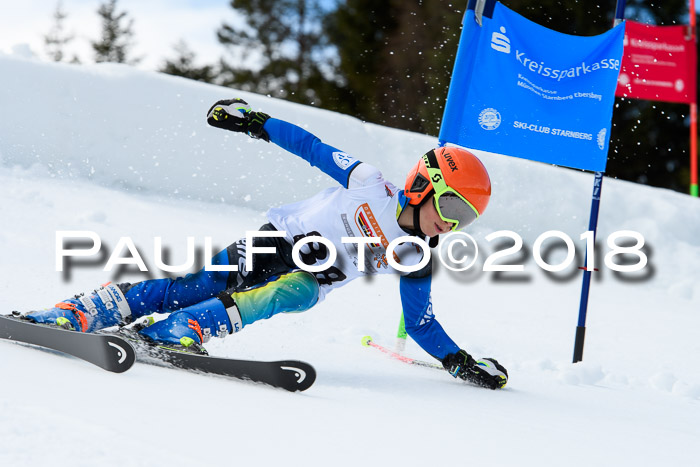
(368, 342)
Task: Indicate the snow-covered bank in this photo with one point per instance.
(127, 153)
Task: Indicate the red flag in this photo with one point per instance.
(658, 64)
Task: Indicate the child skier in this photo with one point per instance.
(446, 190)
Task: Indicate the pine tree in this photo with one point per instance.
(56, 40)
(183, 65)
(283, 46)
(358, 30)
(396, 58)
(417, 63)
(115, 43)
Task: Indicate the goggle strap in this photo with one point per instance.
(416, 219)
(434, 172)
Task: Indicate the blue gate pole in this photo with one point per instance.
(586, 285)
(592, 226)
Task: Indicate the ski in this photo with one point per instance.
(116, 353)
(109, 352)
(368, 342)
(292, 375)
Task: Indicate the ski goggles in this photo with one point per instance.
(450, 205)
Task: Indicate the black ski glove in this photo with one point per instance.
(486, 372)
(235, 115)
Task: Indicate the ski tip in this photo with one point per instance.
(295, 375)
(366, 340)
(304, 376)
(123, 355)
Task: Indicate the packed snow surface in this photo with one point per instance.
(127, 153)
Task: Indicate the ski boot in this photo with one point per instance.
(188, 329)
(143, 340)
(104, 308)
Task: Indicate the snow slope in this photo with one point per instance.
(123, 152)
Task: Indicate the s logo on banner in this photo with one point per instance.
(500, 42)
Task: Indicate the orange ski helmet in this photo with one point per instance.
(458, 180)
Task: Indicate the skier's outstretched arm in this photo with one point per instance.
(236, 115)
(423, 328)
(420, 321)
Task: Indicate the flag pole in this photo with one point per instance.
(693, 118)
(694, 149)
(593, 227)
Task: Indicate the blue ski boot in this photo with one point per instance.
(186, 330)
(104, 308)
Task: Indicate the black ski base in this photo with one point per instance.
(292, 375)
(109, 352)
